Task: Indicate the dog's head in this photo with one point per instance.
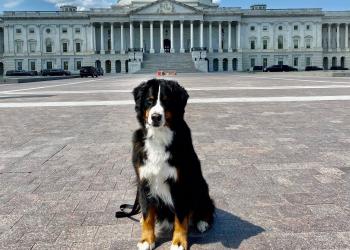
(160, 103)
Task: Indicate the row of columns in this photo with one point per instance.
(338, 35)
(182, 49)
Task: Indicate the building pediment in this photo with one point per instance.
(167, 7)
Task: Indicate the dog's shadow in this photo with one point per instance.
(228, 229)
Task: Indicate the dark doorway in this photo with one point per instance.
(206, 59)
(126, 66)
(234, 64)
(334, 61)
(98, 64)
(216, 65)
(225, 64)
(342, 61)
(108, 66)
(325, 63)
(118, 66)
(167, 45)
(1, 69)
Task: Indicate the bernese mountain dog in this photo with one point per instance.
(171, 187)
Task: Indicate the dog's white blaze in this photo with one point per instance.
(156, 169)
(157, 109)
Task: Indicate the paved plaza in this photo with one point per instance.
(275, 150)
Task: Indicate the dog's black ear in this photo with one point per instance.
(137, 93)
(181, 94)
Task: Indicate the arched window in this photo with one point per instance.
(325, 63)
(78, 44)
(49, 45)
(108, 66)
(216, 65)
(334, 61)
(252, 43)
(342, 61)
(225, 64)
(234, 64)
(308, 42)
(65, 45)
(296, 42)
(118, 66)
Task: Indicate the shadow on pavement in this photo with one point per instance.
(228, 229)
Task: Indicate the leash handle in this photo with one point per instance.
(135, 209)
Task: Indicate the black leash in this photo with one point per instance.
(135, 209)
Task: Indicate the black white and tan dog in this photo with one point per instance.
(171, 187)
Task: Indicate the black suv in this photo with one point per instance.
(312, 68)
(338, 68)
(280, 68)
(88, 71)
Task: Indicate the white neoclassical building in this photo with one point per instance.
(185, 35)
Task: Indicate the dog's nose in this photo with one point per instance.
(156, 118)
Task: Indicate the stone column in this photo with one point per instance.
(346, 36)
(141, 36)
(229, 37)
(191, 31)
(201, 35)
(338, 36)
(25, 46)
(71, 44)
(6, 40)
(210, 37)
(161, 38)
(151, 50)
(92, 37)
(131, 29)
(102, 51)
(58, 40)
(112, 39)
(122, 50)
(182, 50)
(220, 38)
(238, 36)
(329, 36)
(302, 27)
(172, 50)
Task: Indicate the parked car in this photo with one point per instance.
(88, 71)
(313, 68)
(338, 68)
(100, 71)
(55, 72)
(21, 73)
(256, 69)
(280, 68)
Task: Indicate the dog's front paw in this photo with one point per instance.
(145, 245)
(177, 247)
(202, 226)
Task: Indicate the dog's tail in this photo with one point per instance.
(135, 209)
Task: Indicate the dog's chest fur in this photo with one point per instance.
(156, 169)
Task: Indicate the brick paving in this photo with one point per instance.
(278, 172)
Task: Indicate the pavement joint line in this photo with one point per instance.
(193, 101)
(50, 86)
(291, 79)
(189, 89)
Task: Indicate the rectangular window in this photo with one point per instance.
(77, 65)
(264, 62)
(65, 47)
(65, 65)
(252, 44)
(31, 31)
(252, 62)
(308, 27)
(32, 65)
(280, 42)
(296, 43)
(49, 65)
(308, 43)
(265, 28)
(77, 30)
(64, 30)
(19, 65)
(280, 27)
(18, 31)
(32, 47)
(296, 27)
(77, 47)
(308, 61)
(19, 47)
(264, 44)
(296, 61)
(252, 28)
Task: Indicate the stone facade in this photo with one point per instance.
(220, 39)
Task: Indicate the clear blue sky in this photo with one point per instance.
(276, 4)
